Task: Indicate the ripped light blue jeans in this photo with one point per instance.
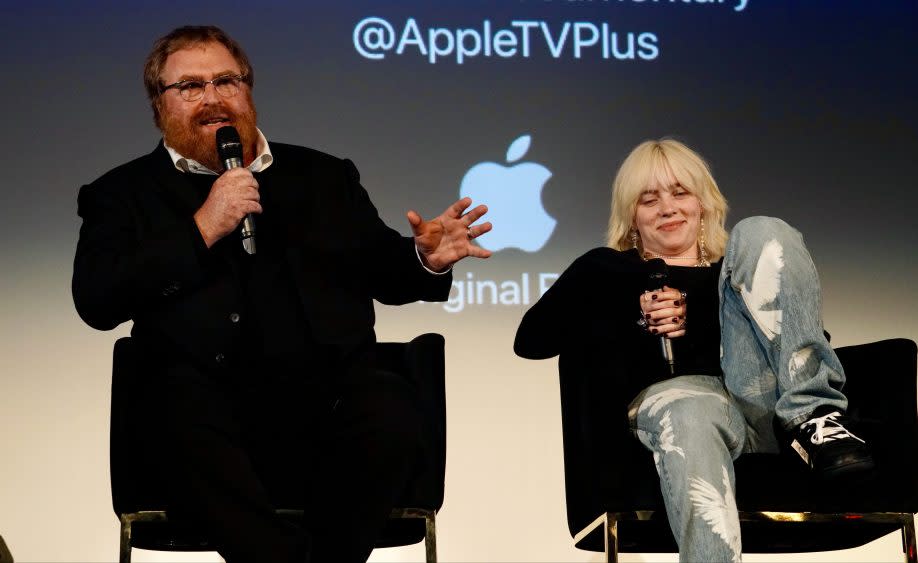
(776, 362)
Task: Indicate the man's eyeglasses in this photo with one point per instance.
(191, 90)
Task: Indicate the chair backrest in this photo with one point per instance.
(422, 362)
(135, 485)
(134, 480)
(606, 469)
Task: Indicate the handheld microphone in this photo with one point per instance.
(657, 277)
(229, 151)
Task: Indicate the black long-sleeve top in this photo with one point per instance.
(593, 308)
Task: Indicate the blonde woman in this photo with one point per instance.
(741, 315)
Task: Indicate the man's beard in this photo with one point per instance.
(186, 136)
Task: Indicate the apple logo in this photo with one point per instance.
(513, 195)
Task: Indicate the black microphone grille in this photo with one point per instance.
(657, 273)
(229, 145)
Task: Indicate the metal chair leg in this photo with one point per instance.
(611, 538)
(908, 540)
(124, 553)
(430, 528)
(430, 537)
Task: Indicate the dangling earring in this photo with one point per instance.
(702, 252)
(634, 237)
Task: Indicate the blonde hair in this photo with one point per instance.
(655, 163)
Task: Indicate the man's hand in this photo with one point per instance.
(233, 195)
(446, 239)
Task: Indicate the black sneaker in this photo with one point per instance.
(829, 448)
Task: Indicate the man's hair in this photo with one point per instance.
(183, 38)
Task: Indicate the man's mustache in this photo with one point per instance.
(213, 114)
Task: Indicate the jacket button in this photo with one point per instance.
(170, 289)
(219, 358)
(234, 317)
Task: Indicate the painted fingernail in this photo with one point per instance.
(647, 317)
(653, 331)
(677, 302)
(654, 296)
(675, 319)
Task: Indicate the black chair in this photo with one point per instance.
(138, 500)
(613, 496)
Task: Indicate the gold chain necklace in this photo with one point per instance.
(698, 261)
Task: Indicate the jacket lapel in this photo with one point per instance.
(285, 198)
(175, 186)
(177, 189)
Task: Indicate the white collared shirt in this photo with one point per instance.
(184, 164)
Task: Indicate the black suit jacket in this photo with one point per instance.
(141, 257)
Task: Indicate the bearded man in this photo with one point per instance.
(260, 363)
